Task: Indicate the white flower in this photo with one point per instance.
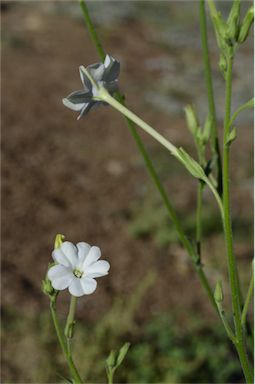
(104, 75)
(76, 269)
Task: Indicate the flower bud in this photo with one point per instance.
(218, 293)
(233, 20)
(47, 287)
(191, 119)
(58, 241)
(207, 129)
(246, 25)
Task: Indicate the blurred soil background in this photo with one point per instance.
(86, 179)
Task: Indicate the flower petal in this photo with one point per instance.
(97, 71)
(93, 255)
(98, 269)
(60, 257)
(60, 276)
(71, 252)
(83, 250)
(75, 288)
(84, 79)
(112, 69)
(88, 285)
(111, 86)
(86, 108)
(77, 99)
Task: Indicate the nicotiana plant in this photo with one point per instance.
(76, 267)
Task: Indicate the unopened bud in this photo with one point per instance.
(47, 287)
(233, 20)
(218, 293)
(191, 119)
(58, 241)
(246, 25)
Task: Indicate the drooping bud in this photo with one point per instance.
(192, 165)
(246, 25)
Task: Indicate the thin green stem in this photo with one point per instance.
(92, 30)
(151, 169)
(210, 94)
(70, 322)
(226, 204)
(228, 329)
(248, 299)
(73, 370)
(249, 104)
(232, 267)
(199, 217)
(110, 377)
(105, 96)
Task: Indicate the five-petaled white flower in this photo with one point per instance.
(104, 75)
(76, 268)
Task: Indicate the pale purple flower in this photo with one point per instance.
(76, 268)
(104, 75)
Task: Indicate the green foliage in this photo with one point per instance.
(115, 359)
(170, 353)
(162, 351)
(149, 219)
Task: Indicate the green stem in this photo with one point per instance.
(110, 377)
(130, 115)
(105, 96)
(248, 299)
(151, 169)
(92, 30)
(70, 322)
(199, 217)
(232, 267)
(249, 104)
(73, 370)
(210, 93)
(228, 329)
